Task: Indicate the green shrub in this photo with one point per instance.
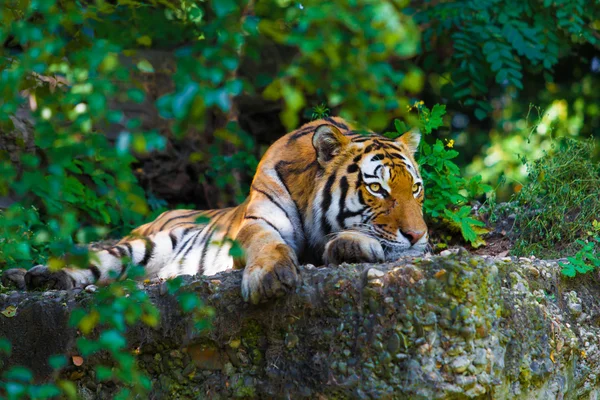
(497, 42)
(447, 193)
(559, 202)
(587, 259)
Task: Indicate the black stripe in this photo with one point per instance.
(182, 224)
(149, 245)
(121, 251)
(337, 124)
(173, 240)
(348, 214)
(396, 155)
(192, 238)
(300, 133)
(185, 232)
(130, 250)
(218, 213)
(268, 196)
(123, 265)
(231, 221)
(352, 168)
(263, 219)
(178, 217)
(325, 225)
(344, 186)
(299, 215)
(294, 167)
(112, 252)
(377, 168)
(205, 245)
(96, 272)
(207, 228)
(361, 198)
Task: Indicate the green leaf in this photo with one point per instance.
(189, 301)
(236, 251)
(112, 340)
(18, 373)
(57, 361)
(87, 347)
(400, 126)
(5, 346)
(567, 270)
(103, 373)
(480, 114)
(9, 311)
(68, 388)
(224, 7)
(44, 391)
(15, 390)
(136, 95)
(145, 66)
(145, 40)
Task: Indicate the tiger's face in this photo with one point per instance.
(392, 189)
(381, 192)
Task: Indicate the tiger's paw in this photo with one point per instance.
(273, 273)
(14, 277)
(40, 277)
(353, 247)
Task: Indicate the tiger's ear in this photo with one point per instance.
(328, 141)
(411, 139)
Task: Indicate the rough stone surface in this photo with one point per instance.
(456, 326)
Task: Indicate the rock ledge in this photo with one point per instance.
(454, 326)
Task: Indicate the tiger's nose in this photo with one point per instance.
(413, 236)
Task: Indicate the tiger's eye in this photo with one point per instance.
(415, 187)
(375, 187)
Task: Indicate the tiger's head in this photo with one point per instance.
(373, 185)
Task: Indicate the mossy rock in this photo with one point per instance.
(455, 326)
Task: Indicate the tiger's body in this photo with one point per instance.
(321, 193)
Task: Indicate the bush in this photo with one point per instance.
(448, 194)
(560, 201)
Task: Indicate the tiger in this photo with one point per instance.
(323, 194)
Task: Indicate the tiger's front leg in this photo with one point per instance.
(353, 247)
(271, 266)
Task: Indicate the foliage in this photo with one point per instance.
(73, 65)
(448, 193)
(103, 324)
(17, 382)
(561, 200)
(115, 308)
(521, 129)
(372, 88)
(587, 259)
(319, 111)
(497, 41)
